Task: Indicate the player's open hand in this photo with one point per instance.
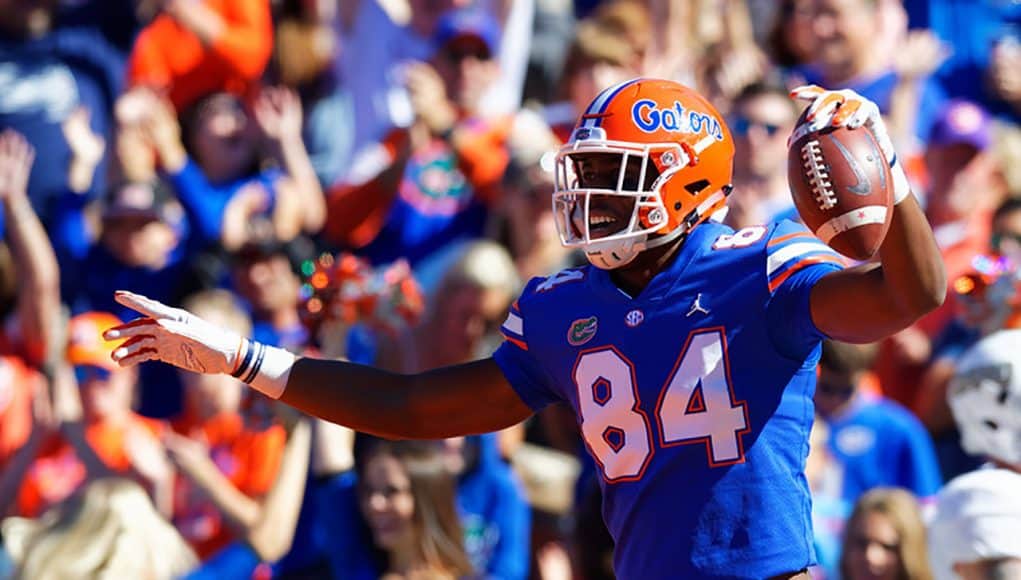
(173, 336)
(844, 108)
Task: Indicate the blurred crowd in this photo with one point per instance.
(371, 179)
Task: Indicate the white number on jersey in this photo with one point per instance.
(697, 405)
(559, 278)
(739, 239)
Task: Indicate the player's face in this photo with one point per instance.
(387, 502)
(608, 214)
(874, 549)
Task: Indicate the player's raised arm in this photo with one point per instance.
(457, 400)
(872, 301)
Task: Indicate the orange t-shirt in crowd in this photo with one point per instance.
(57, 472)
(357, 210)
(249, 458)
(18, 383)
(168, 55)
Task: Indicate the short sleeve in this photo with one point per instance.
(520, 366)
(917, 466)
(795, 261)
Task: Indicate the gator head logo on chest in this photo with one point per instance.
(582, 330)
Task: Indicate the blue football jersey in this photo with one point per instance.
(694, 398)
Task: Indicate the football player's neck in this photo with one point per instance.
(634, 277)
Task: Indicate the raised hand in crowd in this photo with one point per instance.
(429, 99)
(16, 157)
(919, 55)
(38, 276)
(1005, 72)
(163, 131)
(86, 149)
(278, 113)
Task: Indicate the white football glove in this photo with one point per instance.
(177, 337)
(847, 108)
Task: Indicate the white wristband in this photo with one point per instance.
(901, 187)
(270, 377)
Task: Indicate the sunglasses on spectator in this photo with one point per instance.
(842, 390)
(740, 126)
(86, 373)
(458, 52)
(998, 239)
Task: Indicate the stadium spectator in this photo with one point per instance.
(855, 42)
(194, 48)
(404, 499)
(213, 161)
(228, 461)
(466, 306)
(263, 276)
(762, 119)
(99, 434)
(885, 538)
(109, 529)
(455, 161)
(48, 74)
(973, 532)
(875, 441)
(597, 57)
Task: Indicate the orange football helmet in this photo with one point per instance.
(675, 161)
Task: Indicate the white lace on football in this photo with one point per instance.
(818, 175)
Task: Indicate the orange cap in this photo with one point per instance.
(86, 345)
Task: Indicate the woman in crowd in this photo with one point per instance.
(406, 497)
(885, 538)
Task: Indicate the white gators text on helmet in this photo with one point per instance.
(985, 397)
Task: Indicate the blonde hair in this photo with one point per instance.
(110, 530)
(224, 304)
(902, 509)
(483, 264)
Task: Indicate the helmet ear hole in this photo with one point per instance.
(695, 187)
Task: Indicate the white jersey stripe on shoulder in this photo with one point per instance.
(514, 324)
(785, 254)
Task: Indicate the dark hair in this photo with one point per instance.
(193, 115)
(846, 358)
(1009, 206)
(439, 537)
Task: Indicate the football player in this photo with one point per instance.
(686, 349)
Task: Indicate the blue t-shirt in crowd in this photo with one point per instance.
(972, 28)
(435, 207)
(42, 81)
(931, 97)
(880, 443)
(694, 398)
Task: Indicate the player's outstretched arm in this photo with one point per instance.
(457, 400)
(872, 301)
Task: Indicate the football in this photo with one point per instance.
(842, 188)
